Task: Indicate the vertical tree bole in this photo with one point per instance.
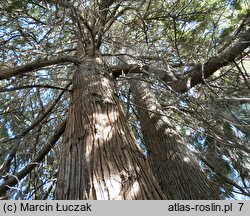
(172, 163)
(100, 158)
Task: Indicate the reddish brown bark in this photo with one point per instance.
(100, 158)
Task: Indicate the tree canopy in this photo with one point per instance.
(194, 54)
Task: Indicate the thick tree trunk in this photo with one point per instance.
(173, 165)
(100, 158)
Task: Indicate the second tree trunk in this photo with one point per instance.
(175, 168)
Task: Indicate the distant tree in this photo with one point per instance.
(113, 99)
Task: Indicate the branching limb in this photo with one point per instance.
(8, 73)
(212, 65)
(39, 119)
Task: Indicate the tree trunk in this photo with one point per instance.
(172, 163)
(100, 158)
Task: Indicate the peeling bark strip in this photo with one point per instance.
(100, 158)
(173, 165)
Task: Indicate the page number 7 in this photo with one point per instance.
(241, 205)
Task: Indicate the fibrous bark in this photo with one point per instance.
(100, 158)
(172, 163)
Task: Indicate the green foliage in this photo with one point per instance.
(177, 36)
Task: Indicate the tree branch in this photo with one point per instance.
(39, 119)
(213, 64)
(13, 180)
(196, 77)
(125, 69)
(162, 74)
(103, 10)
(225, 178)
(5, 74)
(32, 86)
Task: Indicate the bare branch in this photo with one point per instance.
(32, 86)
(198, 75)
(213, 64)
(125, 69)
(230, 101)
(103, 8)
(5, 74)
